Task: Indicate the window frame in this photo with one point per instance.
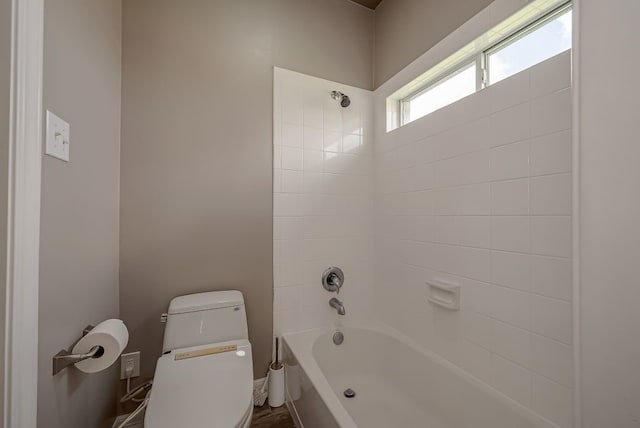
(481, 59)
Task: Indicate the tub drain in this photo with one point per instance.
(349, 393)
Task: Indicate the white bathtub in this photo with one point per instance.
(397, 385)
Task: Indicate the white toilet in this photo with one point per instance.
(205, 377)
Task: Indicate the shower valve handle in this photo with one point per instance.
(333, 279)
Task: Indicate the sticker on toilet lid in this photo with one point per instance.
(207, 351)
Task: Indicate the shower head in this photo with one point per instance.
(344, 99)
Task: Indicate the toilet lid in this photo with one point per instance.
(202, 386)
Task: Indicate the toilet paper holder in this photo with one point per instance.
(64, 358)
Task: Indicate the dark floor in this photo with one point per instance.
(267, 417)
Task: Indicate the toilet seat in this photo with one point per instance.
(203, 386)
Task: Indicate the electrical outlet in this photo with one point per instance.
(130, 363)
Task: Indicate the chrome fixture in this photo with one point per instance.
(338, 338)
(332, 279)
(349, 393)
(339, 96)
(64, 359)
(337, 305)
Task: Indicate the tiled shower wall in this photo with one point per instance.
(323, 200)
(479, 194)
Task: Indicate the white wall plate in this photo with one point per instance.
(58, 137)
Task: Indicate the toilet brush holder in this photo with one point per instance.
(276, 384)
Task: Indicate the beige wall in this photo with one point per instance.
(5, 80)
(608, 130)
(405, 29)
(79, 223)
(196, 209)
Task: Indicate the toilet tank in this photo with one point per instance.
(203, 318)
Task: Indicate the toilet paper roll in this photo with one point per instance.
(112, 335)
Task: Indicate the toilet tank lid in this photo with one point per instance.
(204, 301)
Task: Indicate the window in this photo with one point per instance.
(446, 91)
(537, 32)
(534, 44)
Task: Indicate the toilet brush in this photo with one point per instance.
(276, 380)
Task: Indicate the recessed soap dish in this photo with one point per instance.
(444, 294)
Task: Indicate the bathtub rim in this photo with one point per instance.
(302, 350)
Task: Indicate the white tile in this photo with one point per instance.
(424, 228)
(510, 161)
(551, 154)
(420, 254)
(292, 135)
(292, 158)
(465, 169)
(425, 151)
(511, 125)
(318, 227)
(287, 228)
(475, 360)
(352, 143)
(422, 177)
(552, 359)
(551, 236)
(292, 107)
(287, 250)
(314, 182)
(333, 184)
(313, 138)
(287, 298)
(510, 233)
(511, 270)
(551, 75)
(335, 163)
(403, 157)
(352, 122)
(464, 139)
(472, 231)
(332, 116)
(551, 277)
(510, 197)
(551, 113)
(469, 262)
(277, 181)
(511, 343)
(511, 306)
(292, 181)
(332, 141)
(418, 203)
(551, 195)
(551, 318)
(277, 157)
(476, 296)
(312, 161)
(287, 274)
(552, 400)
(312, 112)
(478, 328)
(288, 204)
(474, 199)
(511, 379)
(507, 93)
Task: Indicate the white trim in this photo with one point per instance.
(21, 324)
(575, 161)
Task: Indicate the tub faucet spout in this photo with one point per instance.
(337, 305)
